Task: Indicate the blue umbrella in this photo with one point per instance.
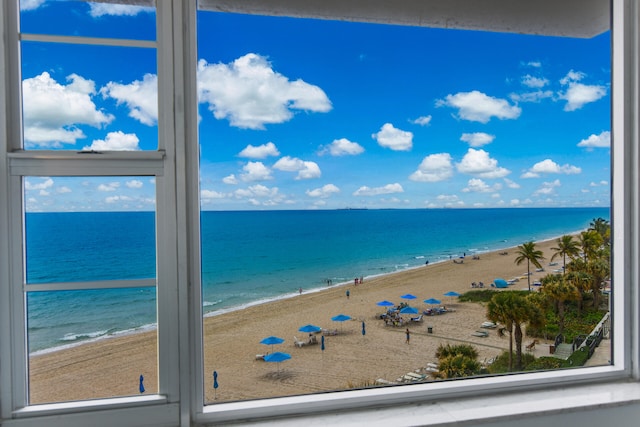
(322, 343)
(500, 283)
(215, 385)
(277, 357)
(340, 318)
(409, 310)
(363, 329)
(408, 296)
(385, 303)
(141, 384)
(310, 329)
(432, 301)
(272, 340)
(452, 294)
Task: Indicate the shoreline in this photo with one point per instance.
(148, 328)
(231, 339)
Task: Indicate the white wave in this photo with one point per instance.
(209, 303)
(74, 337)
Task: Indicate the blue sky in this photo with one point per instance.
(303, 114)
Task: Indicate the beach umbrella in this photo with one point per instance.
(385, 303)
(310, 329)
(364, 332)
(341, 318)
(277, 357)
(271, 341)
(408, 296)
(409, 310)
(500, 283)
(452, 294)
(141, 387)
(322, 343)
(215, 384)
(432, 301)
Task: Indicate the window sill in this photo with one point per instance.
(612, 403)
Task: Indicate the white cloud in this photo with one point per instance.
(387, 189)
(479, 107)
(53, 111)
(260, 195)
(597, 141)
(210, 194)
(535, 96)
(31, 4)
(116, 199)
(324, 191)
(115, 141)
(434, 168)
(230, 180)
(477, 139)
(547, 188)
(548, 166)
(305, 169)
(250, 94)
(534, 64)
(63, 190)
(394, 138)
(47, 183)
(112, 186)
(476, 185)
(255, 171)
(260, 152)
(342, 147)
(134, 184)
(141, 97)
(422, 121)
(578, 94)
(448, 198)
(511, 184)
(478, 162)
(100, 9)
(535, 82)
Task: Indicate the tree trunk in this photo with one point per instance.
(518, 339)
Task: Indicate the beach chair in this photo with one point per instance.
(480, 334)
(488, 325)
(417, 319)
(298, 343)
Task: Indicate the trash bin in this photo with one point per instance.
(552, 349)
(430, 329)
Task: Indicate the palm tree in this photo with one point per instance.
(566, 246)
(602, 227)
(514, 310)
(498, 312)
(590, 242)
(527, 251)
(455, 361)
(558, 290)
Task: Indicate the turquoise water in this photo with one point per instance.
(248, 257)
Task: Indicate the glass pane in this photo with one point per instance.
(89, 19)
(345, 165)
(107, 101)
(91, 344)
(86, 228)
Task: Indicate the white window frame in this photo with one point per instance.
(181, 401)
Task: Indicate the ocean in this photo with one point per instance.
(249, 257)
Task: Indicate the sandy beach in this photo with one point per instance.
(112, 367)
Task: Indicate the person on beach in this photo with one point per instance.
(348, 293)
(408, 335)
(300, 290)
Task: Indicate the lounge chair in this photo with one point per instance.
(488, 325)
(481, 334)
(417, 319)
(329, 332)
(298, 343)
